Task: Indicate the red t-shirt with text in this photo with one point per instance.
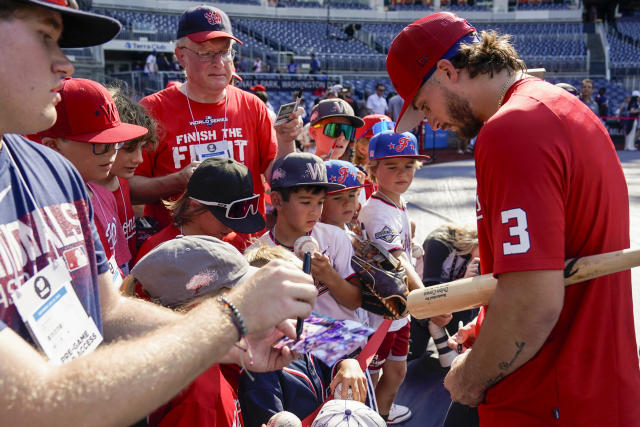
(187, 130)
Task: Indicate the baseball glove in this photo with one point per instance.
(382, 279)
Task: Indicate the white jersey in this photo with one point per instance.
(389, 226)
(337, 246)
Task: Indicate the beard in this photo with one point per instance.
(460, 112)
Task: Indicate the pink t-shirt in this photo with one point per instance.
(108, 224)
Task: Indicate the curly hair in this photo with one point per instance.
(182, 210)
(134, 113)
(493, 54)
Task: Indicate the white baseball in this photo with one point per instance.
(284, 419)
(337, 393)
(305, 244)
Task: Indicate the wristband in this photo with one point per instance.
(236, 317)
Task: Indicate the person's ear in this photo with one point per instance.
(314, 132)
(446, 69)
(276, 200)
(53, 143)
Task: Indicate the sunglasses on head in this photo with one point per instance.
(382, 126)
(333, 130)
(238, 209)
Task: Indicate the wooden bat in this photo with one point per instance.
(477, 291)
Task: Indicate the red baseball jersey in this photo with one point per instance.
(238, 126)
(550, 187)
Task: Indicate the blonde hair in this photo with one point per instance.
(261, 255)
(372, 166)
(183, 210)
(360, 159)
(461, 238)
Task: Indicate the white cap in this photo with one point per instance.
(635, 93)
(347, 413)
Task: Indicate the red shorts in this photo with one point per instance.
(395, 346)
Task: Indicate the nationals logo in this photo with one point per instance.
(213, 17)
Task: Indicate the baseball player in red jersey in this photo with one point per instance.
(550, 187)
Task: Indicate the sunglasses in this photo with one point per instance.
(382, 126)
(333, 130)
(238, 209)
(100, 149)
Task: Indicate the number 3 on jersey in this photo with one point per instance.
(518, 230)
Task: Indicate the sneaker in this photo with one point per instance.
(398, 414)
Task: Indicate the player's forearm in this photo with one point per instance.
(150, 190)
(156, 367)
(522, 312)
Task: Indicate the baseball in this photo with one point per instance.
(337, 393)
(305, 244)
(284, 419)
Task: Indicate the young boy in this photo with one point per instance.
(340, 206)
(393, 159)
(88, 132)
(298, 189)
(219, 201)
(333, 126)
(126, 162)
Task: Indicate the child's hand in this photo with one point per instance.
(442, 320)
(351, 377)
(473, 268)
(465, 336)
(321, 268)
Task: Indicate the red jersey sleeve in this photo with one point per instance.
(521, 190)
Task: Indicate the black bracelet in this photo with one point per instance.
(236, 317)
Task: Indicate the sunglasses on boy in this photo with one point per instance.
(333, 130)
(100, 149)
(238, 209)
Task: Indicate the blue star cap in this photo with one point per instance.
(389, 144)
(341, 172)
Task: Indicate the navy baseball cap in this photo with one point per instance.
(202, 23)
(300, 169)
(79, 28)
(389, 144)
(342, 172)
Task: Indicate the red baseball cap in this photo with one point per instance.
(366, 131)
(202, 23)
(87, 113)
(79, 28)
(415, 52)
(258, 88)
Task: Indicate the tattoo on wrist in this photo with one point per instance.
(491, 381)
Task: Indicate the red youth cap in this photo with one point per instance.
(414, 53)
(202, 23)
(87, 113)
(366, 131)
(258, 88)
(79, 28)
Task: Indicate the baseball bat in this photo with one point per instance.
(476, 291)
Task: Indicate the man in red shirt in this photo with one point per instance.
(207, 117)
(550, 187)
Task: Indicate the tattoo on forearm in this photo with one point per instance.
(503, 366)
(506, 365)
